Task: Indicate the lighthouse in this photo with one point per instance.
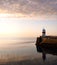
(43, 33)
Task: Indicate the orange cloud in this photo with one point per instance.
(29, 8)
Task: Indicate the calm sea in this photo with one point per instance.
(25, 51)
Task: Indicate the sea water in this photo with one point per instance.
(24, 49)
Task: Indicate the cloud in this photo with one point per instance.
(29, 7)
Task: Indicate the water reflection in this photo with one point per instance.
(44, 51)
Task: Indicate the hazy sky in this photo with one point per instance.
(26, 18)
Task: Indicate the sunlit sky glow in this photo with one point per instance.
(27, 18)
(16, 27)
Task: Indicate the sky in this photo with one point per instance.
(27, 18)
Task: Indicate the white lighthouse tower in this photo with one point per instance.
(43, 33)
